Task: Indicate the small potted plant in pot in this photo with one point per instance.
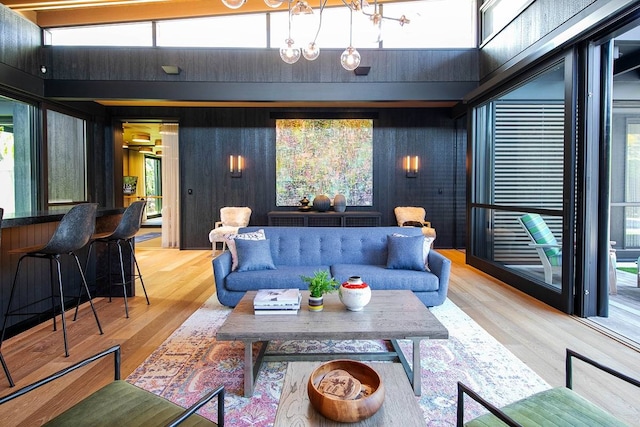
(319, 284)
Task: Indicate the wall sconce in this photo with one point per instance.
(235, 166)
(411, 164)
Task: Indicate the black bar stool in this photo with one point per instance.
(73, 233)
(126, 230)
(4, 364)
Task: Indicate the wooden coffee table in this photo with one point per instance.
(399, 406)
(390, 316)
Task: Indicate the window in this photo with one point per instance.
(433, 24)
(220, 31)
(153, 185)
(496, 14)
(136, 34)
(66, 159)
(632, 192)
(519, 169)
(17, 156)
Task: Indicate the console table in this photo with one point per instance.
(324, 219)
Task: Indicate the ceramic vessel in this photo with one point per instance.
(339, 203)
(316, 303)
(321, 203)
(355, 294)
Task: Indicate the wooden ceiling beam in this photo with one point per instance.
(64, 13)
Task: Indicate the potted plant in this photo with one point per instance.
(319, 284)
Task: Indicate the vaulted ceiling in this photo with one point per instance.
(60, 13)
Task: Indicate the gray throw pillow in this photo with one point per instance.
(405, 253)
(254, 255)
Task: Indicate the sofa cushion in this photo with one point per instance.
(286, 276)
(405, 252)
(379, 277)
(254, 255)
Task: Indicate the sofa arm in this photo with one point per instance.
(441, 267)
(221, 269)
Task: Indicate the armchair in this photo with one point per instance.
(122, 404)
(231, 219)
(560, 406)
(410, 216)
(542, 239)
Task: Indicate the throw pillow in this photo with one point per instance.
(231, 243)
(426, 247)
(405, 252)
(254, 255)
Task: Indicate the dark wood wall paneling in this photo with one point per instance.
(538, 20)
(209, 135)
(19, 53)
(257, 65)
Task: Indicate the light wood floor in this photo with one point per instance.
(180, 281)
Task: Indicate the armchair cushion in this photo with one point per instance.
(543, 236)
(558, 406)
(409, 213)
(126, 405)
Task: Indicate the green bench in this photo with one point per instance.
(122, 404)
(559, 406)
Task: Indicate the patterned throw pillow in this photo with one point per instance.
(231, 244)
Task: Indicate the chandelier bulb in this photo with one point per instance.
(233, 4)
(273, 3)
(350, 58)
(289, 53)
(311, 52)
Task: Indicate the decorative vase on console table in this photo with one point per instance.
(339, 203)
(321, 203)
(304, 204)
(354, 293)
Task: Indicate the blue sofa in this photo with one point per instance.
(343, 251)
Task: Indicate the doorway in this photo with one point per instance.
(150, 159)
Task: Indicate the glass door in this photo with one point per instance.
(520, 191)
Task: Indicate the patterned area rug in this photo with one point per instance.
(191, 361)
(144, 237)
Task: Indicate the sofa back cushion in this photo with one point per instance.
(302, 246)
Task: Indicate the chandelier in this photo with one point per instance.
(290, 53)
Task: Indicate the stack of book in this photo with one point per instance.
(277, 301)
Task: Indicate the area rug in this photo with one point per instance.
(144, 237)
(191, 361)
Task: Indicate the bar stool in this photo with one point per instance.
(4, 364)
(126, 230)
(73, 233)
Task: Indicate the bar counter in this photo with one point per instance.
(36, 228)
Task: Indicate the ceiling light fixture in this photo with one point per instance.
(289, 53)
(350, 58)
(141, 137)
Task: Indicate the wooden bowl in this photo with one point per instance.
(346, 410)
